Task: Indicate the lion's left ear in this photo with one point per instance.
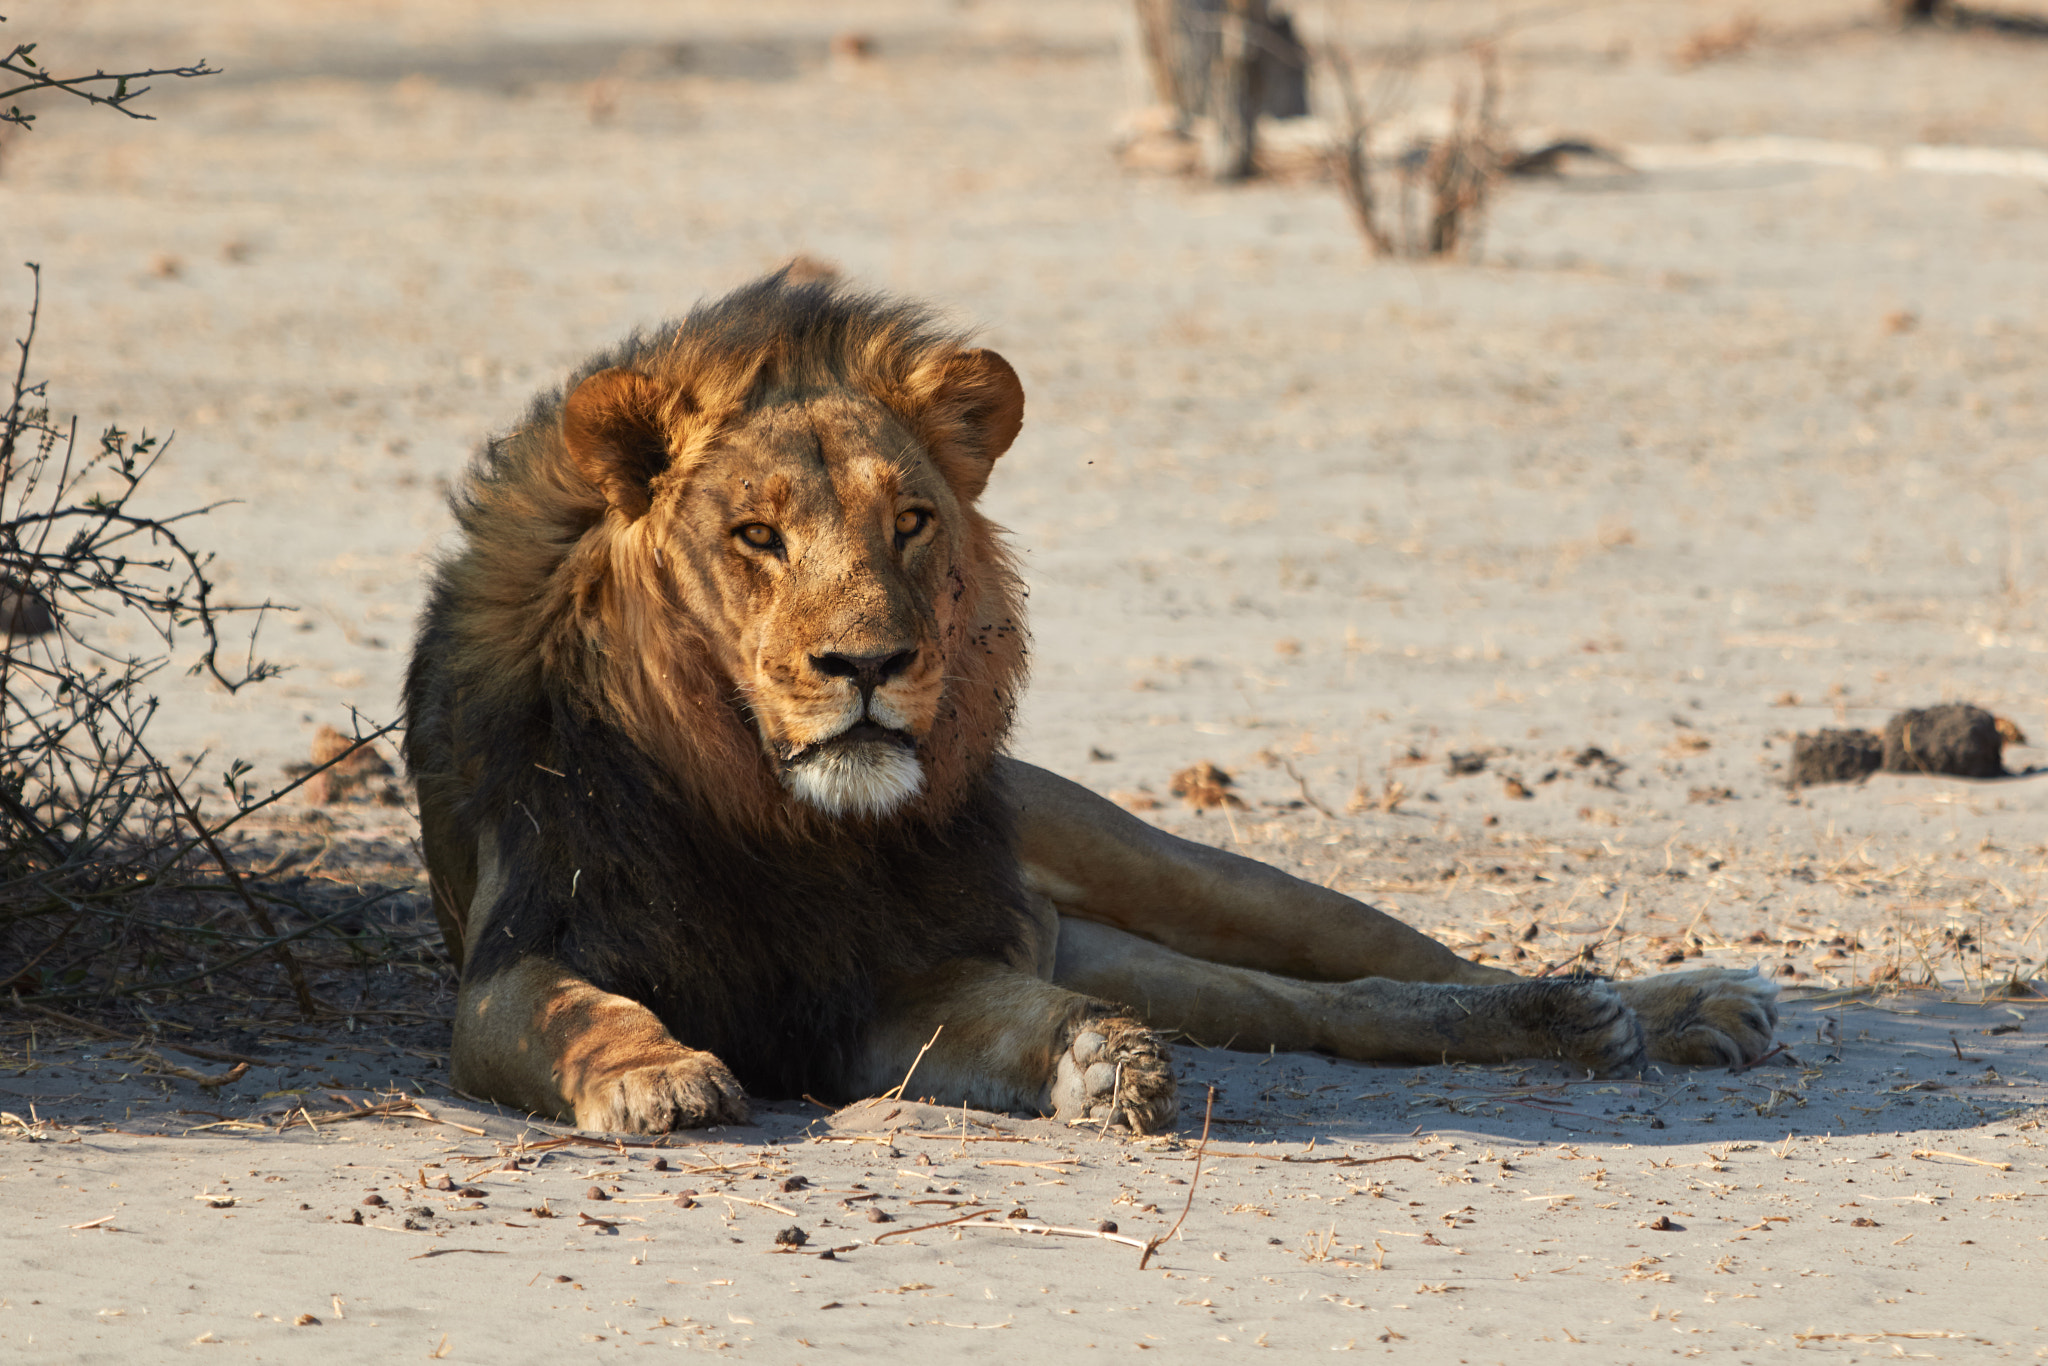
(975, 411)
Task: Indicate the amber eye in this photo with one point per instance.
(910, 521)
(760, 536)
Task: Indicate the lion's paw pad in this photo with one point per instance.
(692, 1091)
(1117, 1071)
(1708, 1017)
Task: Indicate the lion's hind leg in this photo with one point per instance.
(1705, 1017)
(1586, 1023)
(997, 1038)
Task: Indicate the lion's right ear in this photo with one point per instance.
(613, 429)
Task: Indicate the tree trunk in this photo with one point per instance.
(1227, 61)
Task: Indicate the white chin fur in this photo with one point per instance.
(856, 780)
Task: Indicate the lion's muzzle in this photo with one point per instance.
(868, 769)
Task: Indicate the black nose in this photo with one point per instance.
(868, 672)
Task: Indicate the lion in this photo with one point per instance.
(707, 714)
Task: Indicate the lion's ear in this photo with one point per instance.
(612, 427)
(979, 403)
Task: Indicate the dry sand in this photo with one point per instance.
(1746, 444)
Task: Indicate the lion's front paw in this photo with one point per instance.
(1116, 1070)
(688, 1091)
(1708, 1017)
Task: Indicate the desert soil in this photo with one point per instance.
(1499, 587)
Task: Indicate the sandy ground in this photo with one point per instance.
(1690, 460)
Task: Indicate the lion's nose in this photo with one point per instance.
(868, 672)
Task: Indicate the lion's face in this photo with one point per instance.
(822, 540)
(824, 554)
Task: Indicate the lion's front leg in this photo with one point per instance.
(1001, 1039)
(540, 1036)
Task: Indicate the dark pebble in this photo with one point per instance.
(373, 1199)
(795, 1183)
(1106, 1226)
(595, 1193)
(661, 1164)
(876, 1216)
(792, 1237)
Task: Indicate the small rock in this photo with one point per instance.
(595, 1193)
(374, 1199)
(792, 1237)
(1106, 1226)
(660, 1164)
(795, 1183)
(876, 1216)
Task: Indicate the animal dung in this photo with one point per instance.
(1835, 756)
(1954, 738)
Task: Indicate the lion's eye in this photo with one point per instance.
(910, 521)
(760, 536)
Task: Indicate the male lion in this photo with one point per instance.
(707, 715)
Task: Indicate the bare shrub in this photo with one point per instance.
(115, 882)
(1444, 185)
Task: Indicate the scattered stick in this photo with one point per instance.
(213, 1082)
(101, 1031)
(987, 1219)
(1760, 1060)
(1194, 1181)
(763, 1204)
(897, 1093)
(404, 1107)
(1958, 1157)
(451, 1251)
(1350, 1161)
